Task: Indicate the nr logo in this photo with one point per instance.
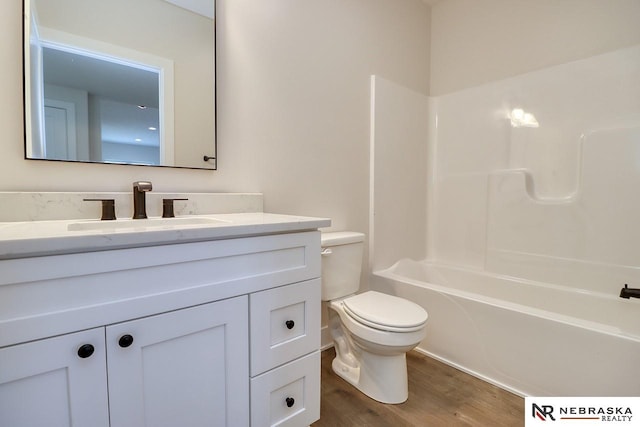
(543, 412)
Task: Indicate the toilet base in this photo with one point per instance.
(382, 378)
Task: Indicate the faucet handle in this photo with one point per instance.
(108, 208)
(167, 208)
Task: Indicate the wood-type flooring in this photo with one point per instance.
(439, 395)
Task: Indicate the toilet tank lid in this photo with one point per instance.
(336, 238)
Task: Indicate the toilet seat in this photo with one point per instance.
(385, 312)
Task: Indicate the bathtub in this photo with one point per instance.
(532, 338)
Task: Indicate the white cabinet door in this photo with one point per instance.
(184, 368)
(60, 381)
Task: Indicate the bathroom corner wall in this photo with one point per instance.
(398, 200)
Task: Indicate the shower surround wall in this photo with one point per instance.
(531, 229)
(398, 190)
(557, 203)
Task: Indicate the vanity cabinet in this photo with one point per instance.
(217, 333)
(159, 370)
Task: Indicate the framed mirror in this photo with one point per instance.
(120, 81)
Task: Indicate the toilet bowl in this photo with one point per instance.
(371, 331)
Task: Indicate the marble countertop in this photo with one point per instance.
(39, 238)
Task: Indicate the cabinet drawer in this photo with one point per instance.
(285, 324)
(288, 395)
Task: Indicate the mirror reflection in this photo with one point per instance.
(121, 81)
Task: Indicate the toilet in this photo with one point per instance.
(371, 331)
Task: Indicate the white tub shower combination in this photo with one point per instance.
(532, 338)
(530, 229)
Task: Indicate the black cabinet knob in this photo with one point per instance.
(290, 324)
(85, 350)
(125, 341)
(290, 401)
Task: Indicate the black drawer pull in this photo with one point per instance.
(85, 350)
(290, 401)
(125, 341)
(290, 324)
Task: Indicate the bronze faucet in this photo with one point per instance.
(139, 201)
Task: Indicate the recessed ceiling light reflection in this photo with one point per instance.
(520, 118)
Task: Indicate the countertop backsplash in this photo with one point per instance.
(44, 206)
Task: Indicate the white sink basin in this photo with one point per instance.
(131, 224)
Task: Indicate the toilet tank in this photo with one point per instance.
(341, 263)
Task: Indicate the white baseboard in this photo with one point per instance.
(325, 338)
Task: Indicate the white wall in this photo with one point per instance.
(293, 106)
(479, 41)
(297, 95)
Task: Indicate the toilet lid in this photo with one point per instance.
(385, 312)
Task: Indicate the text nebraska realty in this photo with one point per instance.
(609, 413)
(606, 414)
